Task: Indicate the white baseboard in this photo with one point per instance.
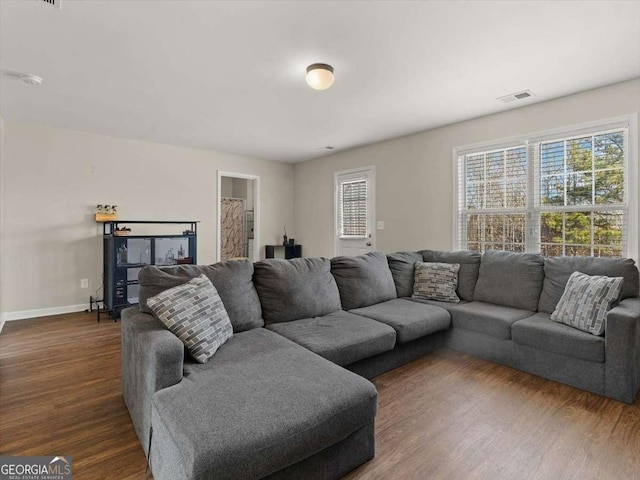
(41, 312)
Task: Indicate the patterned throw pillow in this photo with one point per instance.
(586, 301)
(194, 313)
(436, 281)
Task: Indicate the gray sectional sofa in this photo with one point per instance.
(287, 395)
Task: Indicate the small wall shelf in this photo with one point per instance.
(283, 251)
(125, 255)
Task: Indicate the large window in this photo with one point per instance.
(558, 194)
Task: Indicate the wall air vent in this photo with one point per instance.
(53, 3)
(512, 97)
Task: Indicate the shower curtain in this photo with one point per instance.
(232, 228)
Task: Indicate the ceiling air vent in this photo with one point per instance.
(53, 3)
(512, 97)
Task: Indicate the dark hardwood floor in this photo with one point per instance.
(446, 416)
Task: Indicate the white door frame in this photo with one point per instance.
(372, 190)
(256, 211)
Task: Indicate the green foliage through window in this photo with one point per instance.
(577, 206)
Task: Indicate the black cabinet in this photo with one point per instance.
(283, 251)
(125, 254)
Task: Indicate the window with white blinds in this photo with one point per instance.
(352, 208)
(494, 199)
(554, 194)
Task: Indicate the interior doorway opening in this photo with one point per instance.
(238, 217)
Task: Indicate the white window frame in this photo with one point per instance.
(631, 247)
(355, 174)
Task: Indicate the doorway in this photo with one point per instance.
(355, 211)
(237, 217)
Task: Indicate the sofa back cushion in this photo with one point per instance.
(363, 280)
(402, 266)
(233, 281)
(469, 268)
(510, 279)
(294, 289)
(558, 270)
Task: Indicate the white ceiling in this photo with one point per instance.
(229, 75)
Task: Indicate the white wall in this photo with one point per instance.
(53, 179)
(226, 187)
(414, 174)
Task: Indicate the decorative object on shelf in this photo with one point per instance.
(188, 232)
(292, 241)
(284, 237)
(122, 255)
(106, 213)
(145, 255)
(122, 232)
(180, 252)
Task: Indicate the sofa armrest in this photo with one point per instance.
(622, 351)
(152, 359)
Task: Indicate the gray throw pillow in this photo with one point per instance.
(586, 301)
(436, 281)
(194, 313)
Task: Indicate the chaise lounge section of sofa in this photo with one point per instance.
(261, 407)
(281, 398)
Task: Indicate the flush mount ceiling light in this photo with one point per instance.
(28, 78)
(320, 76)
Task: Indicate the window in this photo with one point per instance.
(495, 199)
(558, 194)
(352, 208)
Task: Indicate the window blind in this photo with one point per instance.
(352, 208)
(557, 195)
(493, 199)
(581, 196)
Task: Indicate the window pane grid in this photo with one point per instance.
(492, 178)
(590, 170)
(352, 208)
(579, 199)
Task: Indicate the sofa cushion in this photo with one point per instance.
(402, 266)
(363, 280)
(259, 405)
(510, 279)
(194, 313)
(539, 331)
(586, 301)
(233, 281)
(558, 270)
(436, 281)
(469, 268)
(342, 337)
(295, 289)
(487, 318)
(409, 319)
(446, 305)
